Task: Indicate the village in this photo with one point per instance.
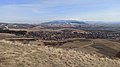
(68, 34)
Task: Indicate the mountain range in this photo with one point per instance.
(64, 22)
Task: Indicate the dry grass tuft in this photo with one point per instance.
(26, 55)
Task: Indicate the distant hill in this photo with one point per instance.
(62, 23)
(16, 25)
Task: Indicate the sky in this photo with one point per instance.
(37, 11)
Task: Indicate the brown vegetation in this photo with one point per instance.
(25, 55)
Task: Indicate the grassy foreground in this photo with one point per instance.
(25, 55)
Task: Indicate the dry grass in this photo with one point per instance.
(106, 47)
(111, 44)
(25, 55)
(6, 35)
(77, 43)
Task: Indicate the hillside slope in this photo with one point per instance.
(25, 55)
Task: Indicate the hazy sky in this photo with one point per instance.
(45, 10)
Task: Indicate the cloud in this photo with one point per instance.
(42, 10)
